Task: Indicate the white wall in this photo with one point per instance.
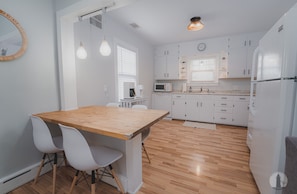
(28, 84)
(97, 71)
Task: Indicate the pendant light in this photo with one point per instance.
(195, 24)
(81, 52)
(105, 49)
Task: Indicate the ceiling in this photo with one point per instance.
(165, 21)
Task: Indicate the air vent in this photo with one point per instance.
(96, 21)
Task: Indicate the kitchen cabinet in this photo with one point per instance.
(200, 108)
(240, 54)
(223, 109)
(178, 106)
(162, 101)
(167, 62)
(240, 110)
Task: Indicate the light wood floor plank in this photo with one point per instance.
(184, 160)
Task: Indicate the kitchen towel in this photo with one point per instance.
(200, 125)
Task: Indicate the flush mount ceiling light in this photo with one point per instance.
(195, 24)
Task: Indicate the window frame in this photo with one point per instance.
(204, 83)
(128, 47)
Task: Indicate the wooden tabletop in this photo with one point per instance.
(121, 123)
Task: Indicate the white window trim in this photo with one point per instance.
(118, 42)
(194, 83)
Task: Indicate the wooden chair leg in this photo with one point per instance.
(146, 153)
(74, 181)
(116, 179)
(55, 173)
(93, 186)
(39, 169)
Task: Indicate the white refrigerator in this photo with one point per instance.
(273, 112)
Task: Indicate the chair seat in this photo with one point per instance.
(105, 156)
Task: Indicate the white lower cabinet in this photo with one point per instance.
(240, 110)
(162, 101)
(200, 108)
(223, 109)
(178, 106)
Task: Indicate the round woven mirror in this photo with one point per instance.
(13, 39)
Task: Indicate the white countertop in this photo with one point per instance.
(229, 93)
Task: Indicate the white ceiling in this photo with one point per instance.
(165, 21)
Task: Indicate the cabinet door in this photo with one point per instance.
(253, 42)
(206, 111)
(160, 67)
(172, 67)
(162, 101)
(172, 61)
(192, 107)
(240, 111)
(178, 108)
(237, 56)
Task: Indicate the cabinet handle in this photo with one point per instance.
(224, 98)
(245, 43)
(223, 104)
(224, 110)
(197, 104)
(244, 72)
(249, 71)
(242, 98)
(223, 118)
(201, 104)
(172, 102)
(250, 42)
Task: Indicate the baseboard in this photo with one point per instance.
(21, 177)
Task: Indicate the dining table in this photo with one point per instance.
(116, 127)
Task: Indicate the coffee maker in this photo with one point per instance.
(129, 89)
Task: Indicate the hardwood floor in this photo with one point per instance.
(184, 160)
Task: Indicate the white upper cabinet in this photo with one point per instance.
(240, 54)
(167, 62)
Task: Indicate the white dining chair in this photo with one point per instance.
(83, 157)
(145, 133)
(46, 144)
(113, 104)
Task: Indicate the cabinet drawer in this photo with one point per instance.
(178, 96)
(241, 98)
(223, 118)
(224, 104)
(223, 110)
(225, 98)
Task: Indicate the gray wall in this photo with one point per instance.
(28, 84)
(96, 71)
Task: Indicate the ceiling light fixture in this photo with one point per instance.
(195, 24)
(105, 49)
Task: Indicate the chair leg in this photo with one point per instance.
(146, 153)
(93, 186)
(65, 159)
(55, 172)
(39, 169)
(74, 181)
(116, 179)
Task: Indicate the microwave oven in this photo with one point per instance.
(163, 87)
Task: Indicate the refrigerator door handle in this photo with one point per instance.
(255, 64)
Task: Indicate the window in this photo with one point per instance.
(203, 70)
(126, 68)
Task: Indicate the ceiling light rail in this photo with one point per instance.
(95, 12)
